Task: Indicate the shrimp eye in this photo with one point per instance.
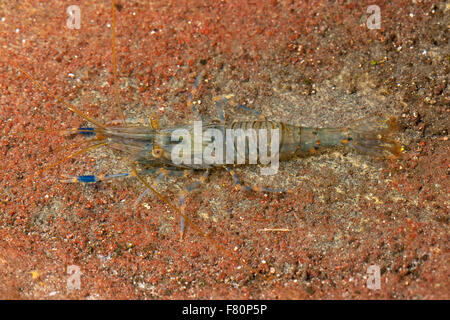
(157, 152)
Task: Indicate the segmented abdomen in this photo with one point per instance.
(295, 140)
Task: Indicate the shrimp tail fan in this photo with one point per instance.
(373, 137)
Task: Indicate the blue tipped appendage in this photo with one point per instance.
(86, 131)
(93, 178)
(87, 179)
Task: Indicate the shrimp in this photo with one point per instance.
(152, 148)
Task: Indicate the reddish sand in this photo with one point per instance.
(311, 64)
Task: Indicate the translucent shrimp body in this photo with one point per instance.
(153, 148)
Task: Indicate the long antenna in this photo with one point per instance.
(114, 62)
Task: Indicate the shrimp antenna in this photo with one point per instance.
(114, 62)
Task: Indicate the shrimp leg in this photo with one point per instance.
(241, 186)
(229, 99)
(182, 197)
